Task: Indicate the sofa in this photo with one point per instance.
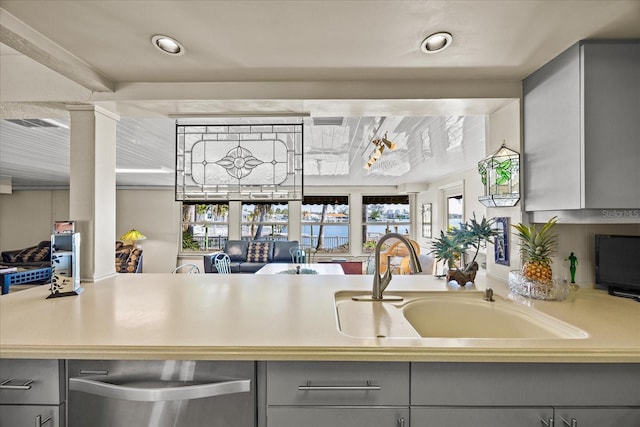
(32, 257)
(250, 256)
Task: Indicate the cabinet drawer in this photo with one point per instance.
(337, 383)
(31, 415)
(337, 417)
(525, 384)
(26, 381)
(598, 417)
(453, 416)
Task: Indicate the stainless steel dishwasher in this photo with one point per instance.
(159, 393)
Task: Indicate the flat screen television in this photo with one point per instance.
(618, 264)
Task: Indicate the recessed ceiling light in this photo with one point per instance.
(167, 45)
(436, 42)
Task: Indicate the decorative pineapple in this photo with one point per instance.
(536, 249)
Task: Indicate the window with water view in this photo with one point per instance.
(325, 223)
(265, 221)
(382, 215)
(205, 226)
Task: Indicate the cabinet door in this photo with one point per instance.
(452, 416)
(581, 129)
(337, 417)
(552, 146)
(27, 381)
(31, 415)
(597, 417)
(611, 79)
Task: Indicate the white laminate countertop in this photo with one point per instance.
(281, 317)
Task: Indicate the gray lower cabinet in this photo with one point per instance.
(328, 394)
(525, 394)
(597, 417)
(31, 415)
(32, 393)
(443, 394)
(458, 416)
(338, 417)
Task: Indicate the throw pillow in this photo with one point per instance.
(32, 254)
(258, 252)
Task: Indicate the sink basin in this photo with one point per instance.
(447, 315)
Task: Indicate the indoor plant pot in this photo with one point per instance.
(451, 246)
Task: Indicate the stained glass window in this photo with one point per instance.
(239, 162)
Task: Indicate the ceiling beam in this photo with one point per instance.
(19, 36)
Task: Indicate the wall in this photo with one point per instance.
(156, 214)
(579, 239)
(504, 125)
(470, 184)
(26, 218)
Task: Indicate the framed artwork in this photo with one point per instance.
(501, 241)
(62, 227)
(426, 220)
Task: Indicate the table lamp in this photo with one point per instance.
(132, 236)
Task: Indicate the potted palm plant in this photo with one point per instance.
(452, 245)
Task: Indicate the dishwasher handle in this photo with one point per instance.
(157, 394)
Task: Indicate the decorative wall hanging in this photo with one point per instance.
(426, 220)
(500, 175)
(379, 144)
(501, 241)
(239, 162)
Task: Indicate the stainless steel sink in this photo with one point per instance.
(447, 315)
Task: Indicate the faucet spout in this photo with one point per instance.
(381, 283)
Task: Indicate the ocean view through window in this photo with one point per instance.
(265, 221)
(325, 223)
(204, 226)
(382, 215)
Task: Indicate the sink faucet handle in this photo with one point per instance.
(488, 295)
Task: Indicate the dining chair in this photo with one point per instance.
(187, 269)
(298, 256)
(310, 254)
(222, 262)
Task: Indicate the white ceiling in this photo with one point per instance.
(354, 59)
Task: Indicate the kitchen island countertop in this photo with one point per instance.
(282, 317)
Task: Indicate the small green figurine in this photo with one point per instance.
(572, 267)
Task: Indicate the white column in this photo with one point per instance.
(355, 223)
(295, 221)
(235, 219)
(92, 188)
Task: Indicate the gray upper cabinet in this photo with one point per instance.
(582, 129)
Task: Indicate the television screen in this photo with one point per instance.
(617, 262)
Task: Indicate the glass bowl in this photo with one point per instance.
(557, 290)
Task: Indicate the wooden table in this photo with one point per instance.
(349, 267)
